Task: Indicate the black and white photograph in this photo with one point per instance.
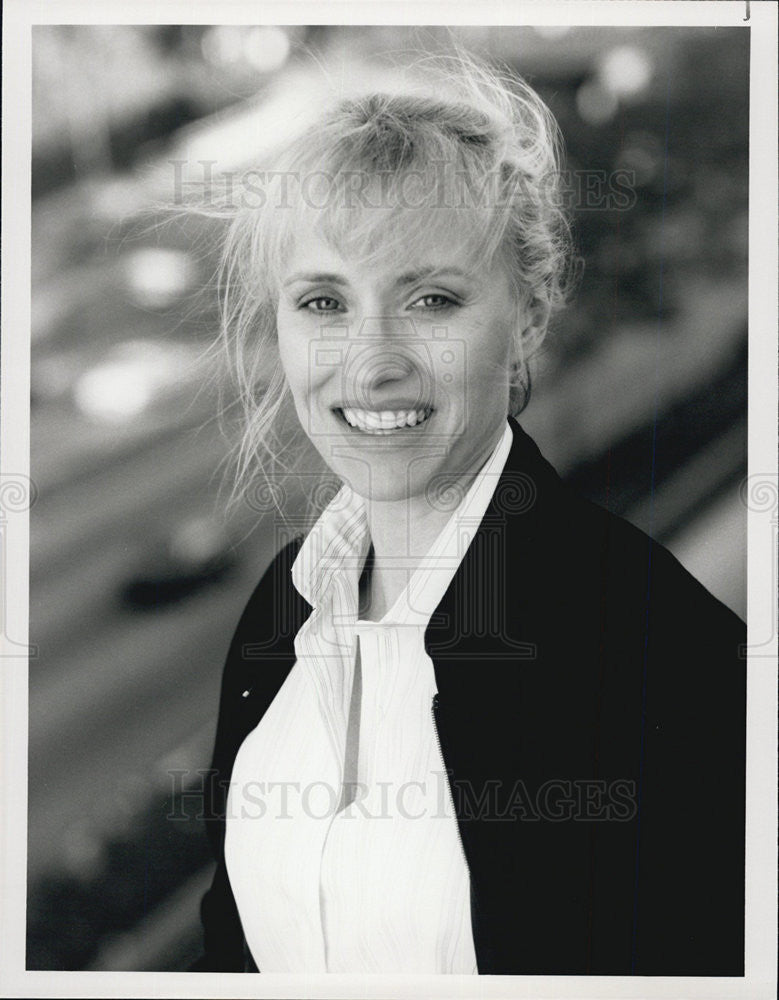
(388, 502)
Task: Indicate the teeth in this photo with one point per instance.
(384, 421)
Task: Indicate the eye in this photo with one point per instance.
(321, 303)
(432, 301)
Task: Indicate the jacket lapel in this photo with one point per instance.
(514, 714)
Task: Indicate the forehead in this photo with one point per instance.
(384, 246)
(313, 250)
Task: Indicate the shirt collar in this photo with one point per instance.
(340, 540)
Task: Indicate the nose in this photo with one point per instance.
(389, 366)
(386, 360)
(386, 380)
(386, 329)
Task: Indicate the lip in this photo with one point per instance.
(387, 432)
(392, 403)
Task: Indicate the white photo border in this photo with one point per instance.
(761, 883)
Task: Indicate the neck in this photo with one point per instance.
(402, 533)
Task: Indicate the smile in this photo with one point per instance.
(384, 421)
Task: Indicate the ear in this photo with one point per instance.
(534, 319)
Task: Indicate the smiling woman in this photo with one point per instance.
(391, 383)
(470, 723)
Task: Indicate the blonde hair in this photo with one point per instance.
(483, 155)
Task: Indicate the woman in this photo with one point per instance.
(470, 722)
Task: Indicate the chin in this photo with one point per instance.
(383, 482)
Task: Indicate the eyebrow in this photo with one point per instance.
(423, 273)
(335, 279)
(407, 278)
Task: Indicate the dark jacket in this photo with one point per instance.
(591, 712)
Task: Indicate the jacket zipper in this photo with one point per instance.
(433, 708)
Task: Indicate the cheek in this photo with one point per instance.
(293, 353)
(487, 354)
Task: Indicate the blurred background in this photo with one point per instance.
(137, 577)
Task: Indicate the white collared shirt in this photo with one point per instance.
(381, 885)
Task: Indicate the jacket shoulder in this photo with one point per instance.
(268, 618)
(631, 563)
(257, 661)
